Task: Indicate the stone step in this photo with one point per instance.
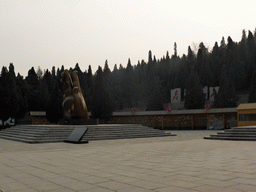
(240, 130)
(116, 137)
(33, 140)
(236, 133)
(230, 135)
(27, 132)
(34, 137)
(51, 133)
(231, 138)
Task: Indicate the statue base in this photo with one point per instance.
(79, 122)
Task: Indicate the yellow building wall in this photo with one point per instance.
(246, 123)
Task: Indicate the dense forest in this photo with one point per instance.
(146, 85)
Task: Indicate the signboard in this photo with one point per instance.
(175, 95)
(77, 135)
(8, 122)
(216, 122)
(213, 92)
(205, 91)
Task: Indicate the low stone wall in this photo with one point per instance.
(180, 119)
(176, 119)
(40, 121)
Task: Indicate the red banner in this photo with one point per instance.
(168, 109)
(133, 110)
(207, 107)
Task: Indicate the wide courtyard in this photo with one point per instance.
(185, 162)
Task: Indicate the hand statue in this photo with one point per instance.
(73, 101)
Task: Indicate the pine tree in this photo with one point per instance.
(175, 50)
(215, 64)
(53, 72)
(23, 87)
(251, 57)
(54, 107)
(10, 95)
(39, 73)
(42, 97)
(128, 86)
(194, 96)
(82, 80)
(237, 73)
(107, 75)
(243, 48)
(190, 59)
(102, 106)
(89, 81)
(150, 61)
(252, 94)
(4, 95)
(116, 88)
(155, 102)
(107, 72)
(32, 79)
(181, 74)
(226, 96)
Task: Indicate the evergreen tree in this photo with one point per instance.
(150, 77)
(165, 77)
(252, 94)
(23, 87)
(89, 80)
(107, 72)
(150, 61)
(223, 53)
(243, 49)
(42, 97)
(226, 96)
(251, 57)
(155, 102)
(128, 86)
(201, 58)
(139, 82)
(102, 106)
(82, 80)
(50, 82)
(32, 80)
(190, 59)
(39, 73)
(54, 107)
(117, 91)
(10, 96)
(107, 75)
(194, 96)
(19, 100)
(236, 68)
(53, 72)
(181, 74)
(5, 110)
(175, 50)
(215, 64)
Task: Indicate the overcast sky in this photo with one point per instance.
(50, 33)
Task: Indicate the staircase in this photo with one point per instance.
(59, 133)
(247, 133)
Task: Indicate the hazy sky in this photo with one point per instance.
(50, 33)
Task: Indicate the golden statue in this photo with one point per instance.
(73, 105)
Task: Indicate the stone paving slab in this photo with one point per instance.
(186, 162)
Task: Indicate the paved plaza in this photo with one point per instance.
(185, 162)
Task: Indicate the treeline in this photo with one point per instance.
(146, 85)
